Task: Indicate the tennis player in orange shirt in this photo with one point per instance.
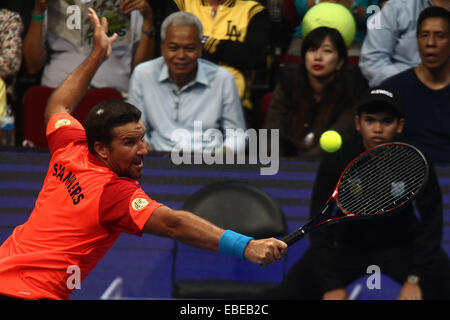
(90, 195)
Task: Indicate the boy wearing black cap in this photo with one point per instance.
(402, 246)
(379, 118)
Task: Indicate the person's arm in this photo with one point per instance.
(146, 47)
(33, 43)
(379, 47)
(232, 116)
(249, 54)
(427, 241)
(67, 96)
(198, 232)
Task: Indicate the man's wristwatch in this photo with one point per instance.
(151, 33)
(413, 279)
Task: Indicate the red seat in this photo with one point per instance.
(35, 101)
(288, 59)
(290, 14)
(353, 60)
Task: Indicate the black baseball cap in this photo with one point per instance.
(379, 97)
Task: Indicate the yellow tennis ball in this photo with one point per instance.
(330, 141)
(354, 187)
(332, 15)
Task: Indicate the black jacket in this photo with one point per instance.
(279, 114)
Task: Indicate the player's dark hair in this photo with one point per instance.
(104, 117)
(433, 12)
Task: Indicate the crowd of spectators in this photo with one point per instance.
(241, 37)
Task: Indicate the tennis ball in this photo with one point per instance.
(354, 187)
(332, 15)
(330, 141)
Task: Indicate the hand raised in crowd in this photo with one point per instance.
(40, 6)
(142, 5)
(102, 43)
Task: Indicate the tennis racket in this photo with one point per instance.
(376, 182)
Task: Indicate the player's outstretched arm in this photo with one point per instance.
(198, 232)
(67, 96)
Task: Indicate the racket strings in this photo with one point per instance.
(381, 180)
(399, 175)
(389, 197)
(383, 196)
(378, 201)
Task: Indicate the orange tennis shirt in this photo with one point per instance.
(79, 214)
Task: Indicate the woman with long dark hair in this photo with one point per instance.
(315, 95)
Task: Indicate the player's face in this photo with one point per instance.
(181, 49)
(324, 61)
(378, 128)
(433, 41)
(125, 154)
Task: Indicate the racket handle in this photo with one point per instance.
(294, 236)
(298, 234)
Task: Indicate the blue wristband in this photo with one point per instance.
(233, 243)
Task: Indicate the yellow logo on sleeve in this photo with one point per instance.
(139, 204)
(62, 122)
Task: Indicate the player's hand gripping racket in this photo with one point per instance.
(376, 182)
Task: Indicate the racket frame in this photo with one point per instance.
(324, 217)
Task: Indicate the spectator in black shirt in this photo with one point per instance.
(424, 90)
